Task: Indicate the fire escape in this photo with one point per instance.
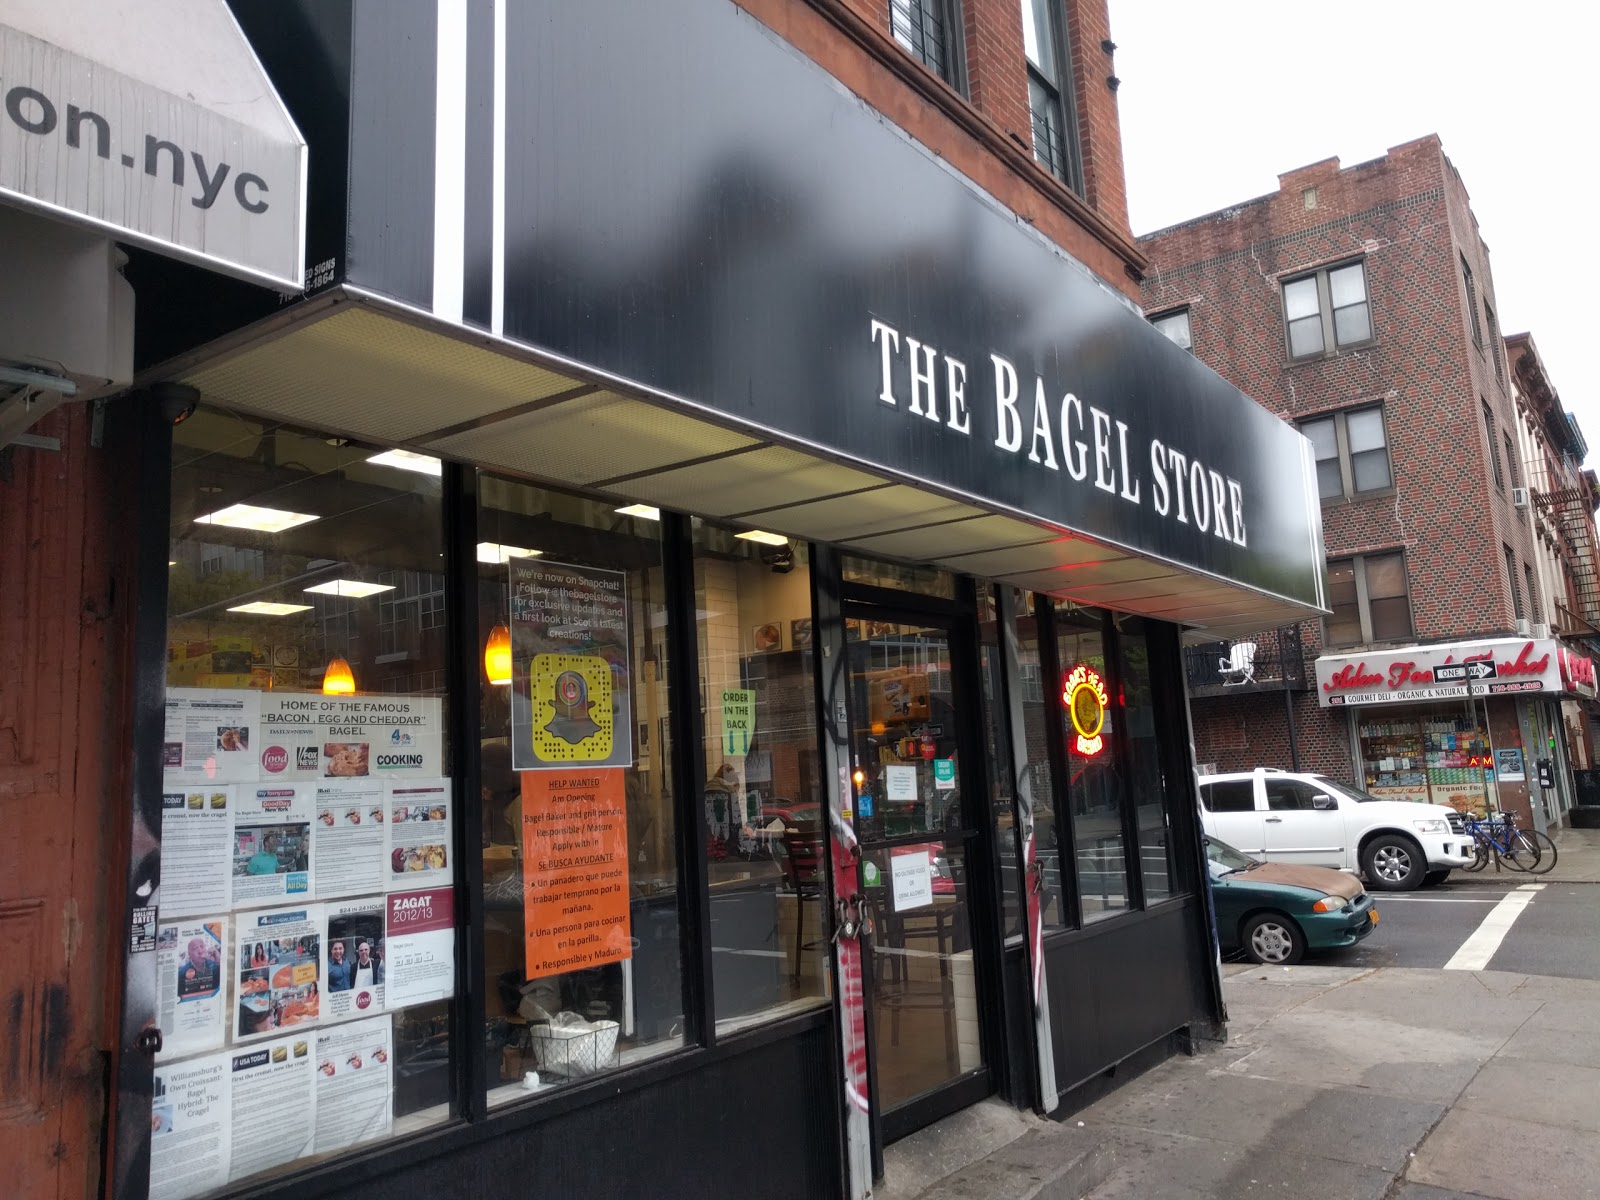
(1571, 511)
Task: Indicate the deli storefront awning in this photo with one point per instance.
(778, 311)
(1494, 667)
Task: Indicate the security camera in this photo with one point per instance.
(177, 400)
(779, 558)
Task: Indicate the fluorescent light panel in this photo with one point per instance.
(354, 588)
(254, 516)
(648, 511)
(765, 538)
(494, 552)
(269, 608)
(407, 460)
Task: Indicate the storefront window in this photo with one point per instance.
(1137, 705)
(997, 737)
(1094, 786)
(305, 936)
(766, 858)
(904, 577)
(582, 965)
(1434, 754)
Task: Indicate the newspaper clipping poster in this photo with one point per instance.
(355, 958)
(305, 736)
(279, 960)
(272, 843)
(189, 1130)
(195, 824)
(210, 735)
(571, 699)
(272, 1116)
(191, 958)
(354, 1083)
(419, 834)
(419, 962)
(347, 839)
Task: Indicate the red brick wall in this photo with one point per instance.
(1240, 733)
(987, 137)
(1407, 216)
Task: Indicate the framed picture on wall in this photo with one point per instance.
(800, 633)
(767, 637)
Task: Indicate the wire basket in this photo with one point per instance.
(574, 1050)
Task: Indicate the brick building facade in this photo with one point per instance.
(1359, 304)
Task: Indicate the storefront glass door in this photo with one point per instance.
(916, 770)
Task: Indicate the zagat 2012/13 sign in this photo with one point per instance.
(1084, 695)
(1064, 435)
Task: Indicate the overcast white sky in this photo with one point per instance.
(1219, 96)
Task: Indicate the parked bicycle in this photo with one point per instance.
(1497, 838)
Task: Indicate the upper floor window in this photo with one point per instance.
(1494, 450)
(1352, 452)
(931, 31)
(1368, 596)
(1055, 141)
(1175, 325)
(1327, 310)
(1472, 302)
(1517, 609)
(1511, 462)
(1494, 342)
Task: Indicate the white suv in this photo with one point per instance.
(1287, 817)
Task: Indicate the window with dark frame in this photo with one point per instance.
(1352, 452)
(1050, 102)
(1494, 342)
(1472, 302)
(1511, 462)
(1175, 327)
(1534, 612)
(1517, 609)
(931, 31)
(1369, 599)
(1327, 310)
(1494, 448)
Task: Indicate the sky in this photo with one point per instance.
(1220, 96)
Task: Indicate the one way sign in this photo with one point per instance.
(1476, 670)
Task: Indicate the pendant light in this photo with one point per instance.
(338, 679)
(497, 656)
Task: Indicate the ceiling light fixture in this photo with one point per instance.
(254, 516)
(494, 552)
(269, 608)
(353, 588)
(648, 512)
(338, 679)
(763, 537)
(497, 656)
(407, 460)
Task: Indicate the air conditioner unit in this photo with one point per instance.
(1519, 498)
(1541, 630)
(1524, 627)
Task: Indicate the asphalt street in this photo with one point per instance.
(1556, 932)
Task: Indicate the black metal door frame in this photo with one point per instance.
(957, 620)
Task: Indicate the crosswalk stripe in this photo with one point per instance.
(1477, 950)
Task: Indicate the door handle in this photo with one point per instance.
(1274, 820)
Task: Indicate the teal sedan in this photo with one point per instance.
(1275, 912)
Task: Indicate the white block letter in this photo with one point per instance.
(1008, 424)
(891, 342)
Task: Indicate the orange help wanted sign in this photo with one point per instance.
(574, 869)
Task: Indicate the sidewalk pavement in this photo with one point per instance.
(1388, 1084)
(1577, 861)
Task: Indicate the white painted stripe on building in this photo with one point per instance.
(1477, 950)
(497, 255)
(450, 162)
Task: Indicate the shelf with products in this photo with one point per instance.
(1392, 753)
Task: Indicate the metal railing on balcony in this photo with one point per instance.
(1269, 661)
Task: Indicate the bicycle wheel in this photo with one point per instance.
(1522, 854)
(1480, 856)
(1547, 852)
